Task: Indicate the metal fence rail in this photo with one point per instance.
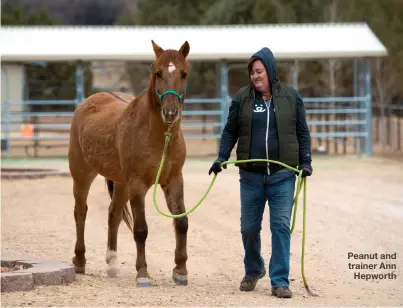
(325, 119)
(199, 123)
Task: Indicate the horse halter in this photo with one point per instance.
(179, 96)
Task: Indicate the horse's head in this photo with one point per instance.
(169, 77)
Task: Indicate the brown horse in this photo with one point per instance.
(121, 138)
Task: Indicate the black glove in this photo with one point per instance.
(306, 170)
(215, 167)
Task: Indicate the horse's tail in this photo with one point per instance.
(127, 218)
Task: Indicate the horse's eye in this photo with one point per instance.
(184, 75)
(158, 75)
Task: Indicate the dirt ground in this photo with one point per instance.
(354, 205)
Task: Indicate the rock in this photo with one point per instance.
(27, 273)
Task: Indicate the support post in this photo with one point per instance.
(5, 115)
(355, 83)
(218, 74)
(362, 105)
(224, 98)
(80, 83)
(296, 74)
(368, 105)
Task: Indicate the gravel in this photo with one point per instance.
(353, 206)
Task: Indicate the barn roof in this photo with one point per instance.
(287, 41)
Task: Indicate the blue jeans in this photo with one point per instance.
(278, 191)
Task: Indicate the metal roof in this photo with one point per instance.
(239, 42)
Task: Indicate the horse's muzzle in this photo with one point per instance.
(170, 116)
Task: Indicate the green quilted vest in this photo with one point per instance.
(284, 99)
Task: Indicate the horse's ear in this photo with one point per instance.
(157, 49)
(184, 50)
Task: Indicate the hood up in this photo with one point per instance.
(267, 57)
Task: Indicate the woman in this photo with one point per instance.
(267, 119)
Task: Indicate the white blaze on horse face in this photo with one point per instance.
(171, 67)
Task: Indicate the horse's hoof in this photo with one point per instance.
(143, 282)
(112, 272)
(79, 269)
(180, 280)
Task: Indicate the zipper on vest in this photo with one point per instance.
(267, 134)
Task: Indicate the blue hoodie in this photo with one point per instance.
(264, 142)
(264, 139)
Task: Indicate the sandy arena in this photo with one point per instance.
(354, 205)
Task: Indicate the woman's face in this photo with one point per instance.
(259, 77)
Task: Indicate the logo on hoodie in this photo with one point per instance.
(259, 108)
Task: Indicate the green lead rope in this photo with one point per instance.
(301, 181)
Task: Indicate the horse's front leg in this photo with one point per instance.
(173, 191)
(140, 231)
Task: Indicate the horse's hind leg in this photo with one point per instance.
(81, 187)
(119, 195)
(173, 192)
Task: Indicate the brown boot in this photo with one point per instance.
(249, 283)
(282, 292)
